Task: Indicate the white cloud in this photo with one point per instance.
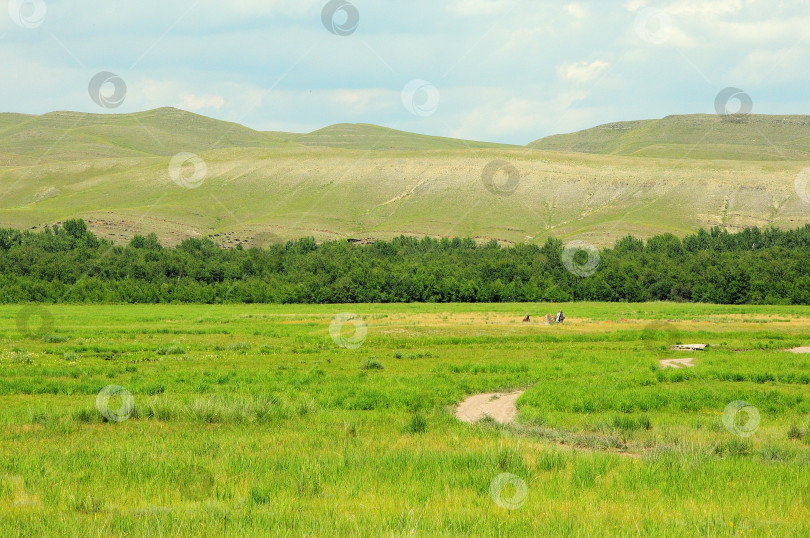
(475, 8)
(500, 116)
(762, 66)
(577, 10)
(193, 102)
(362, 99)
(583, 71)
(709, 9)
(635, 5)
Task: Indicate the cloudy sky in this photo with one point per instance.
(500, 70)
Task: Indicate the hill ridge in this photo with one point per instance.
(702, 136)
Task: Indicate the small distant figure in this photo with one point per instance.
(560, 317)
(527, 319)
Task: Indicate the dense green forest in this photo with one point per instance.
(70, 264)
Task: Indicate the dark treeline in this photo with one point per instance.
(70, 264)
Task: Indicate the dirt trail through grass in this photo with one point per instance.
(496, 405)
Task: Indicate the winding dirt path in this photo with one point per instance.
(497, 405)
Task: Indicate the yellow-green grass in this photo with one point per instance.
(374, 137)
(250, 420)
(333, 194)
(113, 171)
(77, 136)
(701, 136)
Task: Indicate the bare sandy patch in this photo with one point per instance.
(497, 405)
(677, 363)
(800, 350)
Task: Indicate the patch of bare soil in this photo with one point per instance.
(690, 347)
(800, 350)
(498, 406)
(677, 363)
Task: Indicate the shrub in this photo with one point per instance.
(173, 349)
(794, 432)
(261, 495)
(417, 424)
(54, 338)
(372, 364)
(734, 447)
(625, 423)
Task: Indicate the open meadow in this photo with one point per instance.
(295, 420)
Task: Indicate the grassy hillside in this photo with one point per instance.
(282, 193)
(695, 136)
(368, 137)
(71, 136)
(112, 170)
(59, 136)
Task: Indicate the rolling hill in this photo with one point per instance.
(699, 136)
(374, 137)
(63, 136)
(113, 171)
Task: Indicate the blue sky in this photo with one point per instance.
(500, 70)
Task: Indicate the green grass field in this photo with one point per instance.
(252, 420)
